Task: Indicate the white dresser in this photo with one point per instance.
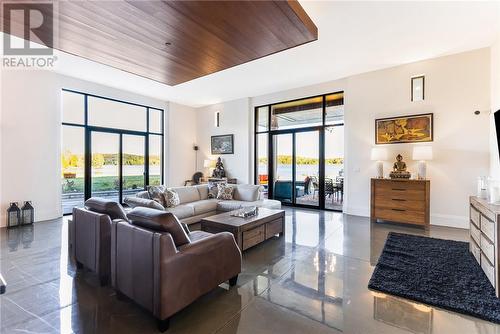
(483, 237)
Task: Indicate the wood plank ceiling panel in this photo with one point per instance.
(176, 41)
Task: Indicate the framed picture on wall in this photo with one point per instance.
(223, 144)
(404, 129)
(418, 88)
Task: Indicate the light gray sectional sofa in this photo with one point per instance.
(195, 203)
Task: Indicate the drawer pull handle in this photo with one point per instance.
(398, 189)
(399, 199)
(401, 210)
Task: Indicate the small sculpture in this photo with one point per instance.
(399, 169)
(219, 171)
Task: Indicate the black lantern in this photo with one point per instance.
(27, 213)
(13, 215)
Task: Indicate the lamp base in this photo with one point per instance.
(380, 169)
(422, 170)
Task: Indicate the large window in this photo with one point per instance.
(299, 151)
(110, 148)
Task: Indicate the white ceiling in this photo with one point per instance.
(354, 37)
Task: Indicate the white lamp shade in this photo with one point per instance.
(379, 153)
(422, 153)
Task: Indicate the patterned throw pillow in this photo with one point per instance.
(213, 190)
(171, 198)
(156, 194)
(224, 191)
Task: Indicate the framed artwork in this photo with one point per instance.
(404, 129)
(223, 144)
(418, 88)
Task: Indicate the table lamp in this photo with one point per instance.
(422, 154)
(209, 163)
(379, 154)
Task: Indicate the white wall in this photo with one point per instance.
(495, 105)
(235, 118)
(455, 86)
(30, 136)
(181, 138)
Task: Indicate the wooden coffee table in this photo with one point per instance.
(249, 231)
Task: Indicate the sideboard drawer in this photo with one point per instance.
(394, 202)
(488, 228)
(475, 250)
(408, 194)
(474, 216)
(401, 185)
(488, 269)
(475, 233)
(488, 249)
(396, 215)
(253, 237)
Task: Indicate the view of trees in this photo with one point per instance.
(101, 159)
(287, 160)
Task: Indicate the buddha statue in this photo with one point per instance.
(219, 171)
(399, 169)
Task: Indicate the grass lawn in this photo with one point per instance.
(103, 183)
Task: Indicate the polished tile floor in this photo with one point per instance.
(312, 281)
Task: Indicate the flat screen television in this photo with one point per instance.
(497, 127)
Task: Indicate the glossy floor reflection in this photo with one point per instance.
(312, 281)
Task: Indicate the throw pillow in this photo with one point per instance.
(171, 198)
(156, 194)
(224, 191)
(213, 190)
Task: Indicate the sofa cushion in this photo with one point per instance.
(246, 192)
(264, 203)
(159, 221)
(212, 190)
(187, 194)
(203, 191)
(156, 194)
(229, 205)
(225, 191)
(105, 206)
(204, 206)
(181, 211)
(143, 194)
(171, 198)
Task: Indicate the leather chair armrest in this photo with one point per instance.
(196, 269)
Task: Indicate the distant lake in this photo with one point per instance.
(285, 171)
(112, 170)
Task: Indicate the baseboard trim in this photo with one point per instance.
(357, 211)
(450, 221)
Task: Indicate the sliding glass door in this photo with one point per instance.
(283, 167)
(133, 164)
(118, 167)
(105, 166)
(299, 151)
(306, 161)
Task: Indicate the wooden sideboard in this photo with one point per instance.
(401, 201)
(483, 237)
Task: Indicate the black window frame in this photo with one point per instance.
(270, 150)
(88, 129)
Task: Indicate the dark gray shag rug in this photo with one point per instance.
(436, 272)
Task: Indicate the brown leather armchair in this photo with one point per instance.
(90, 233)
(158, 265)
